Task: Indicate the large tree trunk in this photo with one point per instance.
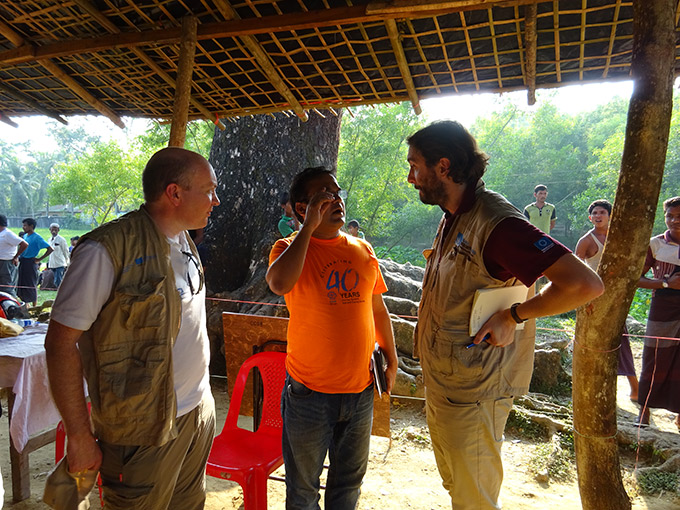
(598, 326)
(255, 159)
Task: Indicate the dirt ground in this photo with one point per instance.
(402, 473)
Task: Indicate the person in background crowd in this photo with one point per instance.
(130, 315)
(60, 255)
(11, 247)
(589, 249)
(483, 242)
(333, 288)
(74, 241)
(29, 262)
(660, 375)
(541, 214)
(288, 222)
(353, 229)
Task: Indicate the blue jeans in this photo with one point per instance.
(315, 423)
(58, 275)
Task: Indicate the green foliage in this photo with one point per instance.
(103, 181)
(655, 482)
(639, 308)
(25, 179)
(372, 168)
(556, 326)
(577, 156)
(401, 254)
(199, 138)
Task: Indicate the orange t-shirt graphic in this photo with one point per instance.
(331, 332)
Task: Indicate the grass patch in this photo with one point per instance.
(555, 458)
(557, 326)
(415, 435)
(521, 425)
(657, 482)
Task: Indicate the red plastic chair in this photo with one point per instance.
(246, 457)
(59, 451)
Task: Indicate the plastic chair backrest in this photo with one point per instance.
(272, 368)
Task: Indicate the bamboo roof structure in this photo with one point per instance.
(120, 57)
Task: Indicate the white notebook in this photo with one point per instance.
(489, 301)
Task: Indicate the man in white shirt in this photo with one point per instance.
(11, 246)
(130, 314)
(59, 258)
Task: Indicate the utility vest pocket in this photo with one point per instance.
(134, 365)
(450, 357)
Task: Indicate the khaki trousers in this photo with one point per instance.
(171, 476)
(467, 441)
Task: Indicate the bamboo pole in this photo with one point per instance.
(599, 325)
(93, 11)
(33, 104)
(78, 89)
(530, 49)
(185, 68)
(4, 118)
(402, 62)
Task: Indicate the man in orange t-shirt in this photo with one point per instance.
(333, 289)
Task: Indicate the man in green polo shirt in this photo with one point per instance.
(541, 214)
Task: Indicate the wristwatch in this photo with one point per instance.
(664, 283)
(513, 313)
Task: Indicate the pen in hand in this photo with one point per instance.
(486, 337)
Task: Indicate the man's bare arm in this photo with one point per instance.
(572, 284)
(22, 247)
(385, 338)
(285, 271)
(585, 248)
(65, 372)
(47, 253)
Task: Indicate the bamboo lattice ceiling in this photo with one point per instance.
(119, 57)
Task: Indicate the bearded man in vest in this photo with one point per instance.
(482, 242)
(130, 315)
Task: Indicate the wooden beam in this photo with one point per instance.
(4, 118)
(92, 10)
(264, 62)
(170, 81)
(10, 34)
(234, 28)
(410, 7)
(22, 98)
(74, 86)
(185, 68)
(398, 49)
(556, 38)
(530, 36)
(79, 90)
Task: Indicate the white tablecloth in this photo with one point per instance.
(24, 369)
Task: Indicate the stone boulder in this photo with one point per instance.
(549, 375)
(408, 385)
(403, 334)
(413, 272)
(402, 281)
(635, 327)
(400, 306)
